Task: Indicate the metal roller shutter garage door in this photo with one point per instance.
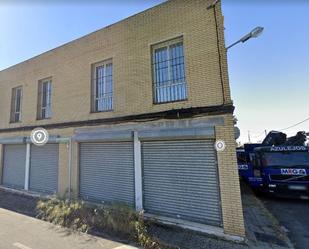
(14, 166)
(107, 172)
(180, 180)
(44, 168)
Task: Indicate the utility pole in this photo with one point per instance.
(249, 138)
(265, 133)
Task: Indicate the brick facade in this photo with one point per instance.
(128, 43)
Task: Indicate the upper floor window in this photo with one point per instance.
(16, 100)
(169, 71)
(102, 86)
(45, 99)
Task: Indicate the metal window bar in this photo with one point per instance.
(169, 73)
(16, 104)
(47, 97)
(44, 105)
(103, 88)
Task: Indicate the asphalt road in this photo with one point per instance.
(292, 215)
(18, 231)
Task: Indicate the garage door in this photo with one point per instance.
(180, 180)
(44, 168)
(107, 172)
(14, 166)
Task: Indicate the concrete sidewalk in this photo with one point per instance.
(24, 232)
(262, 228)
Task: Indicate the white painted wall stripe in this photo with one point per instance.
(138, 173)
(27, 166)
(126, 247)
(21, 246)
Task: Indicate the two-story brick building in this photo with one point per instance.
(133, 111)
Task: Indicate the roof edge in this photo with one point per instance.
(84, 36)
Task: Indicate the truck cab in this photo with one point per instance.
(284, 170)
(246, 167)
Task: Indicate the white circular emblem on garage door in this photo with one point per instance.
(39, 136)
(220, 145)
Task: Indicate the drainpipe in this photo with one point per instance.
(27, 166)
(213, 6)
(70, 166)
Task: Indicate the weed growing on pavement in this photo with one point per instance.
(72, 214)
(118, 219)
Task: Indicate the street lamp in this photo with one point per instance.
(253, 34)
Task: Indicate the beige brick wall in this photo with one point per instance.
(75, 170)
(63, 171)
(229, 180)
(224, 64)
(128, 43)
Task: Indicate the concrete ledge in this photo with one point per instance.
(26, 193)
(198, 122)
(13, 140)
(177, 133)
(211, 230)
(169, 114)
(94, 136)
(24, 140)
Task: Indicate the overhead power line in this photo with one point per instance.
(263, 133)
(307, 119)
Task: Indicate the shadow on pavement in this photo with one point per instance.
(26, 205)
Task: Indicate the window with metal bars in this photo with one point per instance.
(45, 99)
(169, 71)
(16, 100)
(102, 86)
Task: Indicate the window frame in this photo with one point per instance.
(104, 63)
(40, 107)
(14, 105)
(161, 45)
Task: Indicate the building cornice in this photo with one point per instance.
(170, 114)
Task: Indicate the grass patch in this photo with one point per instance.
(117, 219)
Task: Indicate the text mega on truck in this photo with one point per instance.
(278, 165)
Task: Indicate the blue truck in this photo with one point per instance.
(277, 166)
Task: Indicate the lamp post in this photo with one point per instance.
(256, 32)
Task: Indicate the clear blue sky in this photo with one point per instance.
(269, 76)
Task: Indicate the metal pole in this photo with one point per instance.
(138, 173)
(232, 45)
(70, 167)
(27, 166)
